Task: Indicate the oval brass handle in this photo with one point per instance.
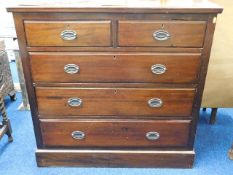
(74, 102)
(71, 68)
(68, 35)
(161, 35)
(155, 102)
(152, 135)
(78, 135)
(158, 69)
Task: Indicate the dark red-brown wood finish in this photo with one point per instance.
(129, 82)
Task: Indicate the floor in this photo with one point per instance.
(212, 144)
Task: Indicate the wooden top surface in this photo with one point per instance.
(116, 6)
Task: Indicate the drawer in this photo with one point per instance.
(68, 33)
(161, 33)
(114, 101)
(112, 67)
(97, 133)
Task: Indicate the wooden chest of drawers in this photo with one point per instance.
(116, 85)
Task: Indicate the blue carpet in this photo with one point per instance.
(212, 144)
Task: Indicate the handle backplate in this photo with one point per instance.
(74, 102)
(71, 68)
(155, 102)
(158, 69)
(68, 35)
(78, 135)
(161, 35)
(152, 135)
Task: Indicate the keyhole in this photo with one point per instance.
(114, 57)
(124, 129)
(162, 26)
(115, 91)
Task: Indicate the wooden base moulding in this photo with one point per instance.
(115, 158)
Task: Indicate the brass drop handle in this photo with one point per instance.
(78, 135)
(69, 35)
(71, 68)
(155, 102)
(161, 35)
(158, 69)
(74, 102)
(153, 135)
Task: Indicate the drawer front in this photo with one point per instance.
(68, 33)
(114, 101)
(109, 67)
(162, 33)
(96, 133)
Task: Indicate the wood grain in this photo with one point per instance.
(19, 23)
(114, 101)
(115, 67)
(116, 49)
(120, 6)
(183, 33)
(204, 67)
(116, 85)
(115, 158)
(48, 33)
(115, 133)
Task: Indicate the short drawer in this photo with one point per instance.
(114, 101)
(113, 67)
(68, 33)
(161, 33)
(123, 133)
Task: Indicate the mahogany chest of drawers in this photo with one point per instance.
(116, 85)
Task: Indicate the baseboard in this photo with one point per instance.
(115, 158)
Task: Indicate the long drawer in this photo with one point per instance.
(114, 101)
(68, 33)
(115, 67)
(162, 33)
(118, 133)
